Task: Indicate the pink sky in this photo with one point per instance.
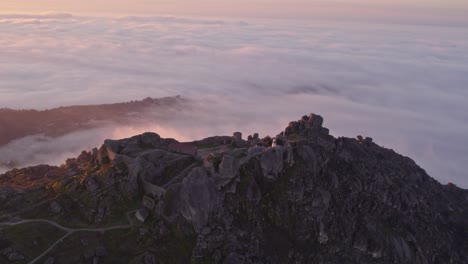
(357, 74)
(426, 11)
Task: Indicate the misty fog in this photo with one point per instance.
(403, 85)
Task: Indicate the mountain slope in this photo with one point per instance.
(301, 197)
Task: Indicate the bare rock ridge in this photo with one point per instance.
(302, 196)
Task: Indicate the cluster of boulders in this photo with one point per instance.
(302, 196)
(319, 199)
(310, 125)
(275, 174)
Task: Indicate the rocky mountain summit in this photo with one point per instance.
(302, 196)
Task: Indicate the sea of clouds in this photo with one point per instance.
(404, 85)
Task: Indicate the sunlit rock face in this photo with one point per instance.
(302, 196)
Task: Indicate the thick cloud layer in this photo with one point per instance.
(403, 85)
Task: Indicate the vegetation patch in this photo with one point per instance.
(176, 246)
(31, 239)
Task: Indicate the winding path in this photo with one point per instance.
(68, 230)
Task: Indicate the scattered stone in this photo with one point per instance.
(55, 207)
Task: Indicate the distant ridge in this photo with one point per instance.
(15, 124)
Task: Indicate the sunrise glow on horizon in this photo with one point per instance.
(433, 11)
(233, 131)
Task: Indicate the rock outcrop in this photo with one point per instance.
(309, 198)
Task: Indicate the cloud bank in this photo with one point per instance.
(405, 86)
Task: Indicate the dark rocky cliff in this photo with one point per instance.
(309, 198)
